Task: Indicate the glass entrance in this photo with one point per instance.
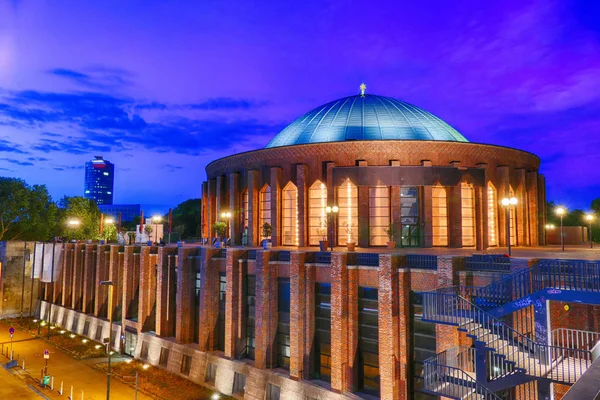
(130, 343)
(409, 212)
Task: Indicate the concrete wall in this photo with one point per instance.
(18, 291)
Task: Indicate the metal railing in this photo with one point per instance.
(323, 257)
(560, 364)
(251, 254)
(421, 261)
(285, 255)
(575, 339)
(451, 381)
(487, 262)
(367, 259)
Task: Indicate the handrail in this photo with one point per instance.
(451, 381)
(535, 358)
(575, 338)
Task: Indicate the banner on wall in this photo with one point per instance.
(48, 261)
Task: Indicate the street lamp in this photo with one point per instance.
(109, 221)
(110, 323)
(156, 219)
(548, 227)
(507, 203)
(226, 215)
(590, 218)
(561, 211)
(73, 223)
(331, 211)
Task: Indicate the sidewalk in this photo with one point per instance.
(63, 367)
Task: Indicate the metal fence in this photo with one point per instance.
(421, 261)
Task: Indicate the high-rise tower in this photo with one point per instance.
(99, 180)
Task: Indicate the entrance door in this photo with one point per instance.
(130, 343)
(409, 211)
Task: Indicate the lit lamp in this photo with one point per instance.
(561, 211)
(73, 223)
(156, 219)
(589, 218)
(226, 215)
(549, 227)
(330, 227)
(109, 221)
(507, 203)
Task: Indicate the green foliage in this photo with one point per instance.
(186, 219)
(83, 210)
(26, 212)
(148, 230)
(219, 228)
(109, 233)
(391, 232)
(267, 229)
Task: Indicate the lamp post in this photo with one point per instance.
(226, 215)
(561, 211)
(507, 203)
(110, 323)
(589, 218)
(109, 221)
(548, 227)
(156, 219)
(331, 211)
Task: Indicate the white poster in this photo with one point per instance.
(48, 256)
(37, 260)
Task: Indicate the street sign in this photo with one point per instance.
(11, 330)
(46, 354)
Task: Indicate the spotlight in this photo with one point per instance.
(145, 366)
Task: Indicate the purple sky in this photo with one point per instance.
(161, 89)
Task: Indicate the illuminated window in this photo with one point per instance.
(265, 208)
(348, 214)
(290, 215)
(379, 215)
(492, 215)
(439, 212)
(245, 209)
(468, 214)
(317, 218)
(513, 220)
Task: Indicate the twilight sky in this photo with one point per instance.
(162, 88)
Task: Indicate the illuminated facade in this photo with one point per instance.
(99, 181)
(383, 162)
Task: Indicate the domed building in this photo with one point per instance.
(382, 162)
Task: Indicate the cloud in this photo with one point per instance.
(17, 162)
(50, 134)
(72, 146)
(95, 77)
(37, 159)
(9, 147)
(226, 103)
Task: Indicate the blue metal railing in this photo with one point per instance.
(251, 254)
(285, 255)
(487, 262)
(367, 259)
(559, 364)
(323, 257)
(421, 261)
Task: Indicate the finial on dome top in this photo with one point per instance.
(362, 87)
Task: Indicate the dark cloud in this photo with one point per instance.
(67, 167)
(17, 162)
(50, 134)
(9, 147)
(226, 103)
(95, 77)
(71, 146)
(37, 159)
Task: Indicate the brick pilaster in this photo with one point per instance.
(480, 220)
(253, 208)
(67, 276)
(447, 336)
(78, 277)
(186, 268)
(266, 311)
(166, 284)
(89, 273)
(389, 334)
(363, 211)
(115, 274)
(503, 190)
(454, 199)
(209, 300)
(220, 201)
(234, 196)
(297, 314)
(341, 340)
(302, 184)
(404, 379)
(309, 320)
(147, 289)
(276, 176)
(532, 208)
(102, 264)
(234, 300)
(211, 210)
(204, 213)
(542, 207)
(521, 209)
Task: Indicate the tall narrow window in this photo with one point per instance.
(513, 220)
(439, 213)
(317, 218)
(379, 215)
(245, 209)
(290, 215)
(492, 215)
(265, 208)
(468, 214)
(348, 214)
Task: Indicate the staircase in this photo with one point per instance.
(511, 357)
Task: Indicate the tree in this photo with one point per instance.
(109, 233)
(26, 212)
(83, 210)
(186, 218)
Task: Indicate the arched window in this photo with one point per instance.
(492, 215)
(289, 216)
(348, 214)
(439, 214)
(317, 218)
(265, 208)
(379, 215)
(245, 209)
(468, 214)
(513, 220)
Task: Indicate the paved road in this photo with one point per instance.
(12, 387)
(64, 368)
